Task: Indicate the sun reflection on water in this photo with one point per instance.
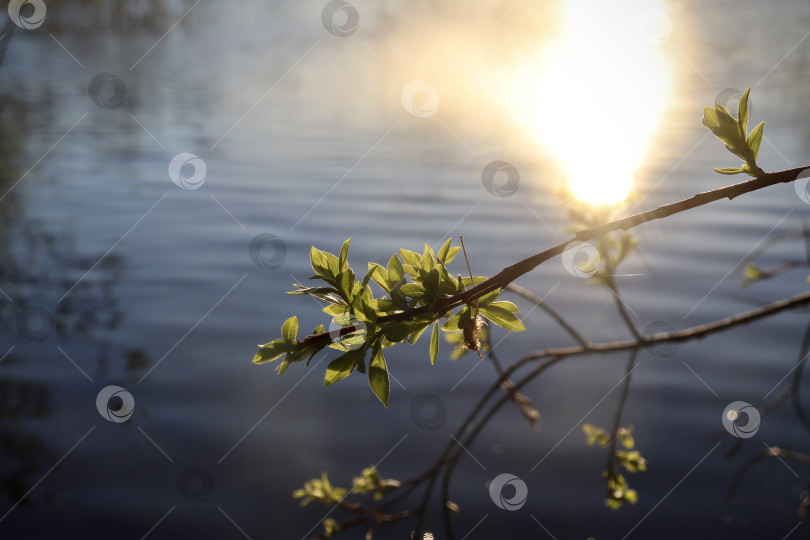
(595, 99)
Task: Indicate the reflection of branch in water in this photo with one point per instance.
(120, 16)
(20, 401)
(37, 266)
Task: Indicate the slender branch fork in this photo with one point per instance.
(511, 273)
(489, 404)
(484, 410)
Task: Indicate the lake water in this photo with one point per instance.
(114, 275)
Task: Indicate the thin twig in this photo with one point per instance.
(628, 373)
(773, 451)
(610, 283)
(528, 295)
(511, 273)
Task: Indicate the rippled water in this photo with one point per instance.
(152, 288)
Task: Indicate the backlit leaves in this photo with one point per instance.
(732, 131)
(378, 376)
(363, 323)
(618, 490)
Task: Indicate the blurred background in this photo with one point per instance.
(305, 123)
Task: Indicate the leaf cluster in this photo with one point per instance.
(321, 490)
(618, 489)
(363, 325)
(732, 131)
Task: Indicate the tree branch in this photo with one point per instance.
(511, 273)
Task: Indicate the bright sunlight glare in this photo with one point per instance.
(595, 99)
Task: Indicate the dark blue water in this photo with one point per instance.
(143, 285)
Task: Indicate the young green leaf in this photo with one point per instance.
(274, 349)
(319, 262)
(413, 290)
(332, 262)
(508, 306)
(478, 280)
(411, 258)
(742, 111)
(428, 258)
(454, 322)
(755, 139)
(431, 281)
(327, 294)
(342, 366)
(434, 343)
(378, 376)
(489, 297)
(395, 271)
(289, 330)
(502, 317)
(344, 255)
(443, 251)
(334, 309)
(380, 276)
(396, 332)
(345, 284)
(729, 170)
(417, 330)
(451, 254)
